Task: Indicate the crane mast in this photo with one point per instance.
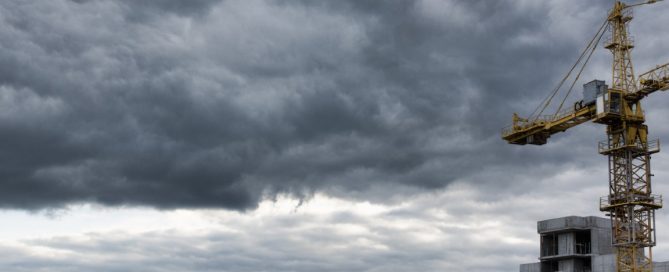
(630, 202)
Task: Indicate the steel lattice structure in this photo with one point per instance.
(631, 205)
(630, 202)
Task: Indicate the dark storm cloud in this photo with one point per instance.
(221, 103)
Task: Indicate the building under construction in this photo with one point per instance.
(577, 244)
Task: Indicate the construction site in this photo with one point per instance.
(578, 244)
(625, 240)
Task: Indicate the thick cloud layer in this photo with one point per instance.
(430, 232)
(222, 103)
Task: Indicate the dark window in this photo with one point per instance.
(550, 266)
(583, 242)
(549, 245)
(614, 105)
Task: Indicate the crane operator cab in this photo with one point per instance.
(608, 101)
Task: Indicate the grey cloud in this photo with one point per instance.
(295, 241)
(221, 103)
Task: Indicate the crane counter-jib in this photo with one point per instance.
(538, 131)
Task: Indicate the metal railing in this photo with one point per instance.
(507, 130)
(563, 113)
(627, 42)
(609, 201)
(659, 74)
(651, 146)
(541, 120)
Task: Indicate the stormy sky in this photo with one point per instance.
(258, 135)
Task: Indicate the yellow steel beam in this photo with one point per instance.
(537, 131)
(654, 80)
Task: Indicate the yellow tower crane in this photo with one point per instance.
(630, 202)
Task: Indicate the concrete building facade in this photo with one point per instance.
(577, 244)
